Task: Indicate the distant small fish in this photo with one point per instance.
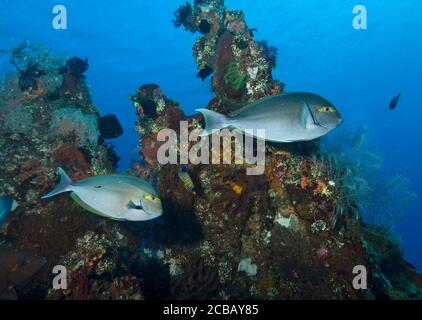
(252, 31)
(117, 197)
(186, 179)
(394, 102)
(7, 205)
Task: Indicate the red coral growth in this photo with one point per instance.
(73, 159)
(149, 148)
(32, 171)
(69, 85)
(224, 57)
(174, 115)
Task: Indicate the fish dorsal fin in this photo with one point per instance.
(88, 207)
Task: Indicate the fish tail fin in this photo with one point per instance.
(15, 204)
(63, 186)
(213, 121)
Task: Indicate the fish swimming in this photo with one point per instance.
(288, 117)
(186, 179)
(117, 197)
(7, 205)
(18, 268)
(394, 102)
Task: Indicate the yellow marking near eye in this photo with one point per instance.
(152, 198)
(326, 109)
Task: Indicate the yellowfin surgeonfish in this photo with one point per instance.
(287, 117)
(116, 197)
(186, 179)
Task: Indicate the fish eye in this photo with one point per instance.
(151, 197)
(326, 109)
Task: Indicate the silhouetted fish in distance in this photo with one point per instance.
(394, 102)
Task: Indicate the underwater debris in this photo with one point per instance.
(110, 126)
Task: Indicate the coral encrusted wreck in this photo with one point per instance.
(288, 233)
(280, 235)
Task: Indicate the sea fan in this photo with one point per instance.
(362, 190)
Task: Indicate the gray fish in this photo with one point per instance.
(7, 205)
(288, 117)
(17, 269)
(117, 197)
(394, 102)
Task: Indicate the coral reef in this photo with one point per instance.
(241, 66)
(198, 282)
(38, 134)
(295, 232)
(100, 268)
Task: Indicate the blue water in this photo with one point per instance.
(133, 42)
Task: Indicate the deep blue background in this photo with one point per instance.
(132, 42)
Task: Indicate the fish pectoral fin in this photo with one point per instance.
(132, 205)
(307, 117)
